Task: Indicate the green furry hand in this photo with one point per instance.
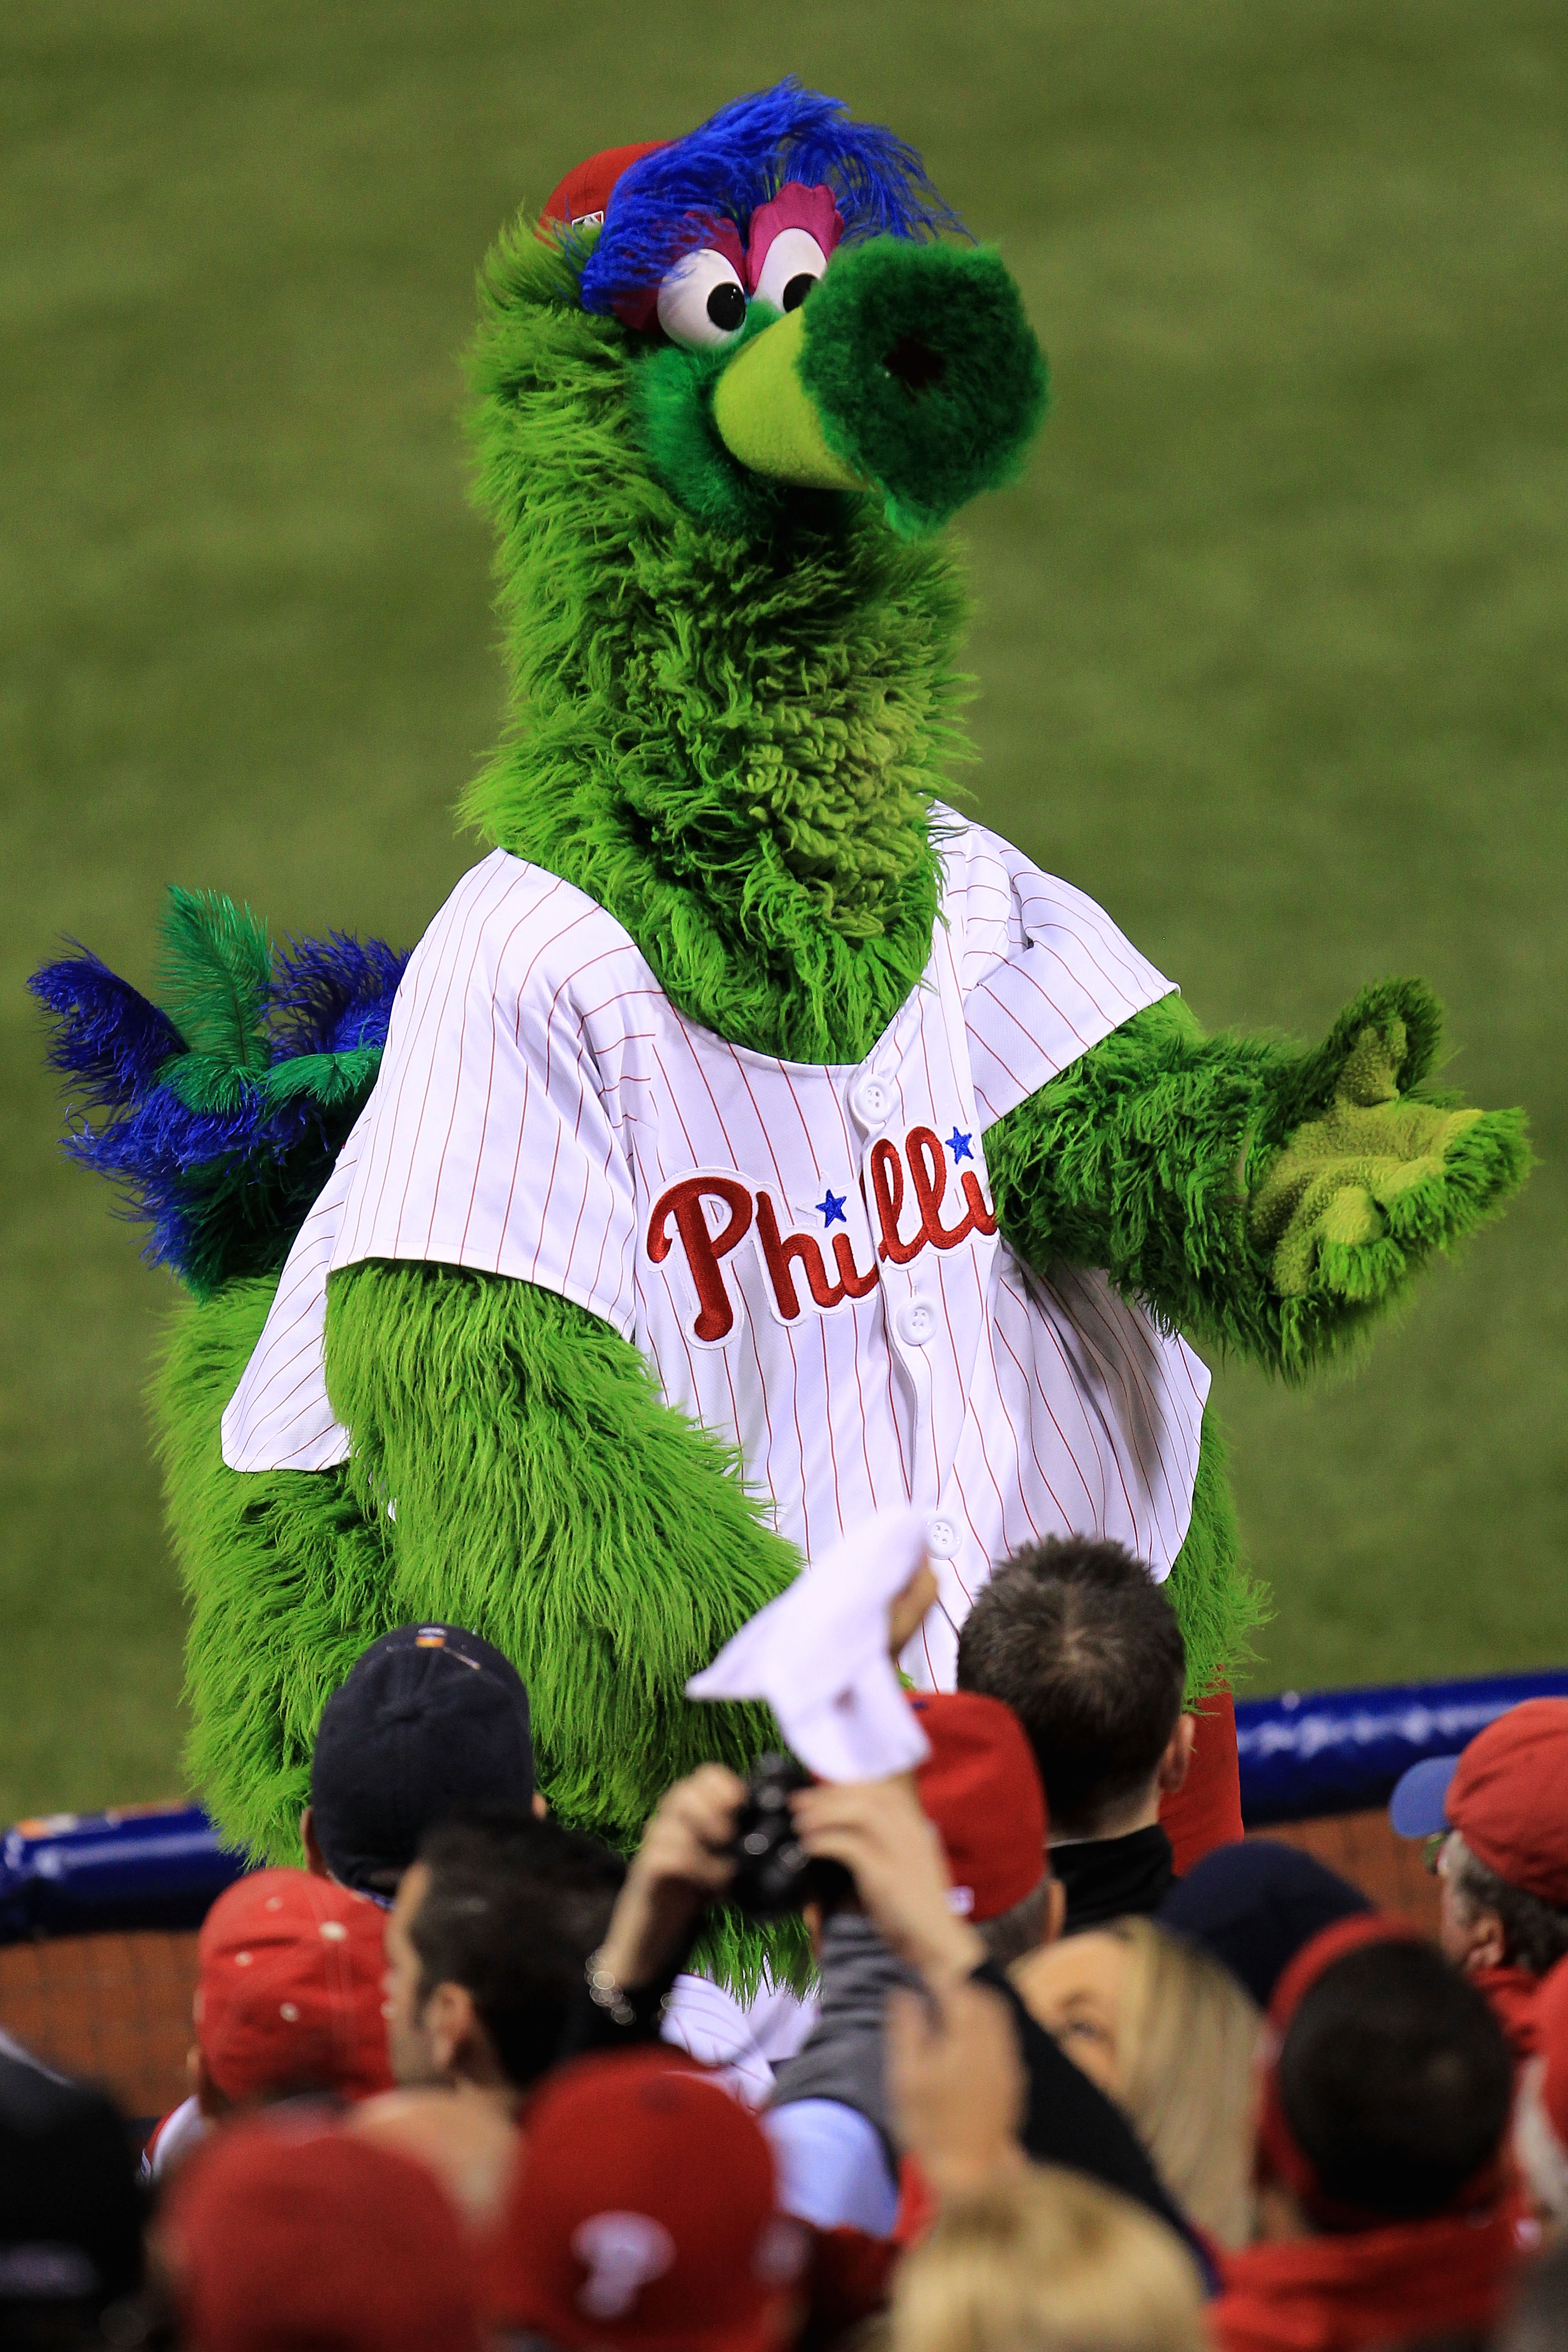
(1379, 1176)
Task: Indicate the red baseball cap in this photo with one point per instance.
(583, 195)
(643, 2214)
(1507, 1795)
(981, 1787)
(282, 2231)
(288, 1987)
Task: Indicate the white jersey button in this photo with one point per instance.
(941, 1536)
(916, 1322)
(871, 1100)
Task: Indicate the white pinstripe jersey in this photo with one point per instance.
(804, 1254)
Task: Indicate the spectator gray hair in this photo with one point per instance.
(1534, 1932)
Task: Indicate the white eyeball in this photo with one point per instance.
(701, 300)
(791, 268)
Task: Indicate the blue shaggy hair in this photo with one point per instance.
(739, 158)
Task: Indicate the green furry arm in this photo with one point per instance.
(1260, 1196)
(544, 1495)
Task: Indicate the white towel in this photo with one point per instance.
(818, 1654)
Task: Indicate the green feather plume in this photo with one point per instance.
(216, 976)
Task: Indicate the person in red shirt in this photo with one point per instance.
(1497, 1816)
(1385, 2207)
(1540, 2110)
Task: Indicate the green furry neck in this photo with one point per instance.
(731, 742)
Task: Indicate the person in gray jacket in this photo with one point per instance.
(828, 2118)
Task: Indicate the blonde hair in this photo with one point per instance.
(1186, 2076)
(1046, 2261)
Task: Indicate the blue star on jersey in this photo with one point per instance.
(830, 1209)
(959, 1147)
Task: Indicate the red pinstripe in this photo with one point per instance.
(1127, 1369)
(485, 1117)
(474, 954)
(1055, 1424)
(1045, 1474)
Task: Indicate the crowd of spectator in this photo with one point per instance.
(453, 2084)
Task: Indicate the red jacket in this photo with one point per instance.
(1371, 2286)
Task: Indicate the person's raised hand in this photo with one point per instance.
(956, 2082)
(877, 1830)
(682, 1862)
(906, 1610)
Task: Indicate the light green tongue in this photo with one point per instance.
(766, 417)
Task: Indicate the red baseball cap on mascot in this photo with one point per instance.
(583, 195)
(980, 1787)
(289, 1992)
(644, 2214)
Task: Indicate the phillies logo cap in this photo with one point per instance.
(643, 2213)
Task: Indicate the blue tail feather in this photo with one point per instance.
(334, 995)
(221, 1159)
(106, 1036)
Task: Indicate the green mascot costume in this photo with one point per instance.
(753, 1140)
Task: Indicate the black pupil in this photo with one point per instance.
(797, 289)
(726, 307)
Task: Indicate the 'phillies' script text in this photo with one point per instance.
(680, 1215)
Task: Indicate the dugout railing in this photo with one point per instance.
(99, 1911)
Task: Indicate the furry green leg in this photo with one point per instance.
(288, 1581)
(546, 1495)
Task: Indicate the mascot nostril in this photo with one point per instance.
(753, 1141)
(915, 364)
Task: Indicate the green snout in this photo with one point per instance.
(911, 370)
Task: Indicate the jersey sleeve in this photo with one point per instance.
(1045, 973)
(493, 1144)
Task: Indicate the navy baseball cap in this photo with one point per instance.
(70, 2211)
(432, 1721)
(1253, 1904)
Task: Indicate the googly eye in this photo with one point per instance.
(791, 268)
(702, 301)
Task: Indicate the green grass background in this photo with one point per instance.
(1270, 640)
